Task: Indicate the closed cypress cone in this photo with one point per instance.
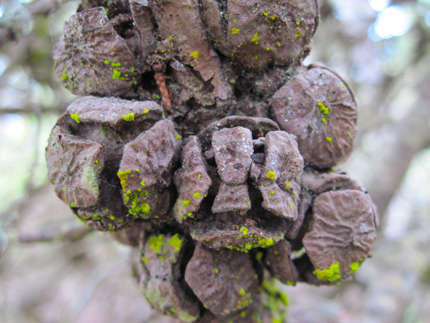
(202, 136)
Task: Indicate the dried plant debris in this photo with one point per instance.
(91, 58)
(319, 108)
(203, 138)
(342, 234)
(164, 287)
(224, 281)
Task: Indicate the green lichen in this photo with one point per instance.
(72, 204)
(271, 175)
(175, 242)
(287, 185)
(274, 300)
(156, 243)
(330, 274)
(271, 193)
(90, 179)
(235, 31)
(354, 267)
(244, 230)
(75, 117)
(64, 76)
(123, 176)
(329, 139)
(186, 317)
(186, 202)
(297, 34)
(197, 195)
(116, 74)
(255, 38)
(323, 109)
(129, 117)
(138, 207)
(195, 55)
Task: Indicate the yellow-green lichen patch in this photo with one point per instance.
(323, 109)
(75, 117)
(244, 230)
(235, 31)
(186, 317)
(123, 176)
(216, 271)
(64, 76)
(138, 207)
(255, 38)
(354, 267)
(195, 55)
(271, 193)
(324, 120)
(90, 178)
(156, 243)
(274, 300)
(116, 74)
(116, 64)
(175, 242)
(287, 185)
(142, 182)
(292, 205)
(178, 136)
(197, 195)
(271, 175)
(186, 202)
(297, 34)
(329, 139)
(72, 204)
(145, 111)
(330, 274)
(129, 117)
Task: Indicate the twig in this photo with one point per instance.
(71, 235)
(29, 109)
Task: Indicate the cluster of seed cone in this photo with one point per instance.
(201, 139)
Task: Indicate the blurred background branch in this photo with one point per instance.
(20, 16)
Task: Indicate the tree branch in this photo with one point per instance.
(16, 19)
(72, 235)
